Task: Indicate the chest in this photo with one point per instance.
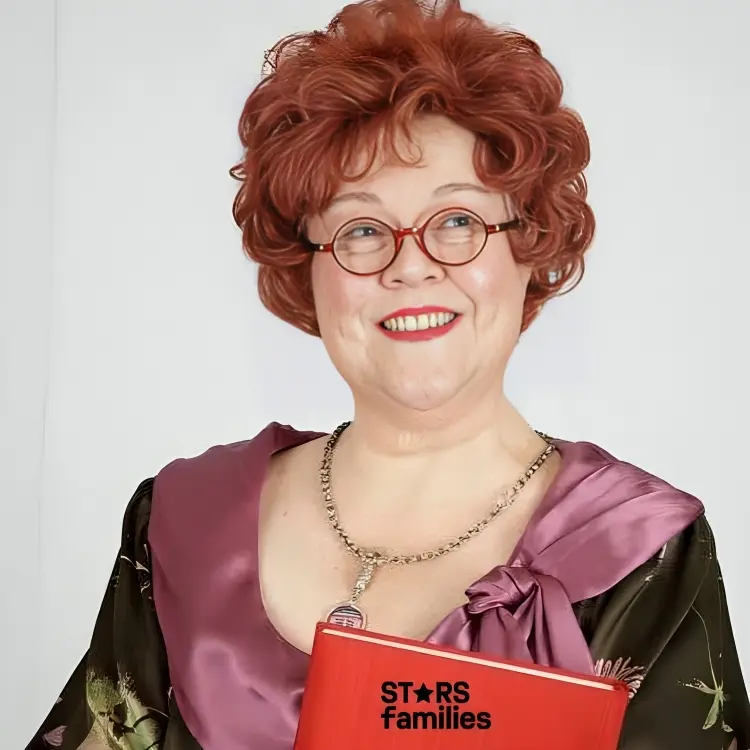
(305, 568)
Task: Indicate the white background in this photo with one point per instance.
(130, 332)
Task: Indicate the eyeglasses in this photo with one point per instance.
(451, 237)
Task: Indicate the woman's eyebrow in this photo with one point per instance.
(450, 187)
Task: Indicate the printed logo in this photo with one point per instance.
(446, 706)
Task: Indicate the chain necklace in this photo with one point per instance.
(349, 613)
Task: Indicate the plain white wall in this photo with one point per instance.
(159, 347)
(27, 122)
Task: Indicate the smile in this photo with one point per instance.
(419, 324)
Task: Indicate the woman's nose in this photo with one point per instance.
(412, 265)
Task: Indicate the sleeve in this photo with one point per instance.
(665, 630)
(118, 696)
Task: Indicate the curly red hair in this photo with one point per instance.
(327, 95)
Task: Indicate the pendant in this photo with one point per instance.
(348, 615)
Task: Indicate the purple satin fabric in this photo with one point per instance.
(600, 520)
(520, 615)
(238, 684)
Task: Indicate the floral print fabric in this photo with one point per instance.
(664, 630)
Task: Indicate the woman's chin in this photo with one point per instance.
(424, 396)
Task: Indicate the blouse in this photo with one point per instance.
(615, 575)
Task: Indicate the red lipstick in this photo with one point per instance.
(425, 334)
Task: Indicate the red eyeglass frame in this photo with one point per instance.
(399, 235)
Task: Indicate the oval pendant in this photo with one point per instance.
(347, 615)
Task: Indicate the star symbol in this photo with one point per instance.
(423, 694)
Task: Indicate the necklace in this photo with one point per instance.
(349, 613)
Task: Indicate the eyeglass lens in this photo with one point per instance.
(452, 237)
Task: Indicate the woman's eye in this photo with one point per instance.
(457, 221)
(362, 231)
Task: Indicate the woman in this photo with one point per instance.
(412, 189)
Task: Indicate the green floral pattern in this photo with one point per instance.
(715, 690)
(121, 721)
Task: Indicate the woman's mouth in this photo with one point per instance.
(419, 324)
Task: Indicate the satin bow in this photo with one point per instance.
(520, 615)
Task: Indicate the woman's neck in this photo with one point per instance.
(430, 456)
(390, 430)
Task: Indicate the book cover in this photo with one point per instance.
(374, 692)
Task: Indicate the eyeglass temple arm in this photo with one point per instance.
(316, 247)
(495, 228)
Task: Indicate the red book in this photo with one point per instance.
(367, 691)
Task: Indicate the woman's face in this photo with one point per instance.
(388, 360)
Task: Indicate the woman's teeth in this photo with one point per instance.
(418, 322)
